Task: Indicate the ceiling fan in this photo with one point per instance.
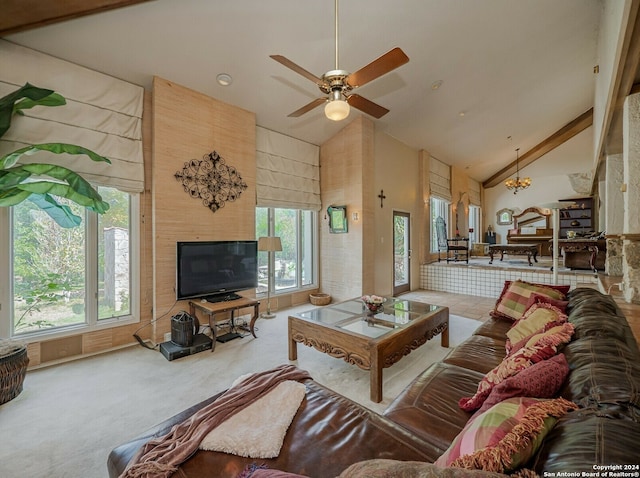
(338, 84)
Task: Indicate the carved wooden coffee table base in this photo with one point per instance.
(530, 250)
(370, 343)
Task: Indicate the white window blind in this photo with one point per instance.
(440, 179)
(288, 172)
(102, 113)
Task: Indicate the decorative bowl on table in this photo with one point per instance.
(373, 303)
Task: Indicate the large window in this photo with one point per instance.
(475, 234)
(61, 279)
(295, 266)
(439, 208)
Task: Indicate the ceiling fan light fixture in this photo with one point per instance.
(336, 108)
(338, 83)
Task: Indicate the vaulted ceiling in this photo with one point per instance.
(480, 71)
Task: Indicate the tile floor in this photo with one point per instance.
(471, 291)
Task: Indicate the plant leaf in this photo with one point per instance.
(60, 213)
(65, 191)
(76, 189)
(54, 99)
(12, 196)
(37, 95)
(10, 159)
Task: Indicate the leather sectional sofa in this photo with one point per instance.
(329, 433)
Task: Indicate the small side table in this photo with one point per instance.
(480, 249)
(210, 309)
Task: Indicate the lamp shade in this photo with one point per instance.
(337, 110)
(269, 243)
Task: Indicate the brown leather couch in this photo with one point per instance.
(330, 432)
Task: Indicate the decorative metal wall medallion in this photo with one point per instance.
(211, 180)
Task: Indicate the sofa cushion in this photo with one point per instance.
(428, 407)
(542, 380)
(582, 439)
(604, 371)
(599, 325)
(477, 353)
(513, 301)
(585, 299)
(410, 469)
(506, 436)
(494, 327)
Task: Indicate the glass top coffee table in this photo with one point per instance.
(347, 330)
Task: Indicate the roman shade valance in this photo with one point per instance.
(102, 113)
(440, 179)
(474, 192)
(288, 171)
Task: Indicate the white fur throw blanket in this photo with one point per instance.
(258, 431)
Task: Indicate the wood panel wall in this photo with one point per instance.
(188, 125)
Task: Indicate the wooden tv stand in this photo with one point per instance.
(210, 309)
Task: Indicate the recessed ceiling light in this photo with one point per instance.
(436, 84)
(224, 79)
(462, 113)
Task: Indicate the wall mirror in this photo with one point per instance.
(504, 216)
(337, 219)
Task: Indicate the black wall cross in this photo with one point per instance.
(382, 196)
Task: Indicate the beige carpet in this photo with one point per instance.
(70, 416)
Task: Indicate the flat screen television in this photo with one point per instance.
(215, 270)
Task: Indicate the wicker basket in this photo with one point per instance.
(320, 299)
(13, 368)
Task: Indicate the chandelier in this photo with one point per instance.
(518, 183)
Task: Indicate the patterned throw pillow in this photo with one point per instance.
(537, 318)
(512, 303)
(506, 436)
(543, 299)
(551, 336)
(510, 366)
(541, 380)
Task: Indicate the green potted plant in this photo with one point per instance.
(42, 183)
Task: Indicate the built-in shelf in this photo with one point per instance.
(578, 217)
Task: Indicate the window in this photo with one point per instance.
(474, 224)
(295, 266)
(64, 279)
(439, 208)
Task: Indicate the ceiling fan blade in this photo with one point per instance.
(298, 69)
(367, 106)
(308, 107)
(386, 63)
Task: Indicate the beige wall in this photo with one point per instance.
(346, 179)
(397, 172)
(356, 165)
